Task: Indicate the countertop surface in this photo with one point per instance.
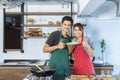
(25, 63)
(103, 65)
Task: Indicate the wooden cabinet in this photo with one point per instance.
(99, 67)
(12, 33)
(104, 67)
(13, 73)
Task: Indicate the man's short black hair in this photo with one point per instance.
(67, 18)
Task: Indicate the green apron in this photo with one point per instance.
(59, 59)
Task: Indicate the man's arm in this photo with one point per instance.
(49, 49)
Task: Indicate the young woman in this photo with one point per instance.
(82, 53)
(55, 45)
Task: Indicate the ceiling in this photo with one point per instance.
(39, 0)
(89, 7)
(13, 3)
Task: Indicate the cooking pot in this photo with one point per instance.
(47, 71)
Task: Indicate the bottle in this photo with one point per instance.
(119, 76)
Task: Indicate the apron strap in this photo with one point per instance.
(60, 35)
(82, 39)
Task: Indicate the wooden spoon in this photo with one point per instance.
(38, 67)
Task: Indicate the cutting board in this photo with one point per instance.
(84, 77)
(90, 77)
(107, 78)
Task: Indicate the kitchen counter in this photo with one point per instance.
(99, 67)
(103, 65)
(30, 63)
(22, 63)
(17, 69)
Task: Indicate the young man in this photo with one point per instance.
(55, 45)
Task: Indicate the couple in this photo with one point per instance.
(60, 52)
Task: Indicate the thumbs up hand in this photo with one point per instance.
(85, 44)
(61, 45)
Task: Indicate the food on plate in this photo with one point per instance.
(73, 43)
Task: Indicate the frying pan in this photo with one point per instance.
(46, 71)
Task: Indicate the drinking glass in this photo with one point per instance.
(102, 72)
(109, 73)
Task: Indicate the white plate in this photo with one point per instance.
(73, 43)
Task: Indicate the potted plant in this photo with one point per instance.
(30, 20)
(103, 47)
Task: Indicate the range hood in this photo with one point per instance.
(117, 3)
(87, 7)
(94, 8)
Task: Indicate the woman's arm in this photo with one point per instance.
(89, 49)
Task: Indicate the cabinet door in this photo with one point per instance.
(103, 69)
(12, 32)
